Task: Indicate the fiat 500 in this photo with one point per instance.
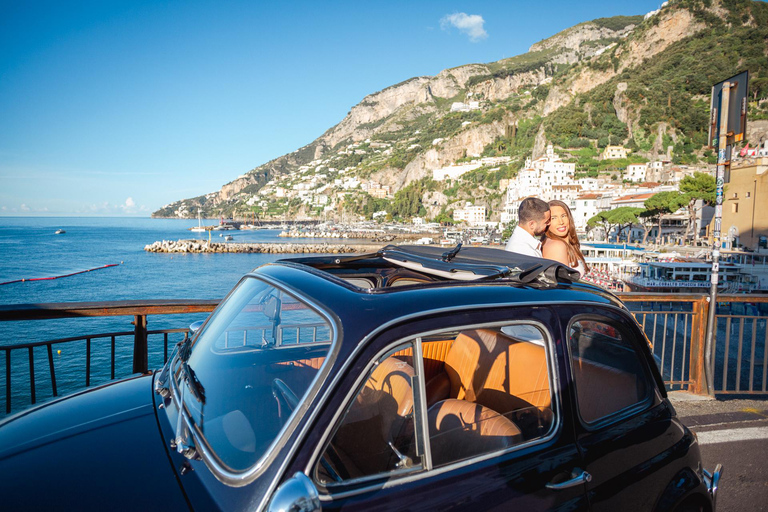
(410, 379)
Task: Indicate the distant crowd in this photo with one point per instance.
(546, 230)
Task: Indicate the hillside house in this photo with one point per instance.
(583, 208)
(472, 215)
(614, 153)
(634, 201)
(636, 172)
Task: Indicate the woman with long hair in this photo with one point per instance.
(560, 242)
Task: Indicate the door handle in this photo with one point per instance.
(582, 478)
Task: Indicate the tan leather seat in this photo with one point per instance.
(489, 368)
(459, 429)
(381, 413)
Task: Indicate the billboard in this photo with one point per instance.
(737, 109)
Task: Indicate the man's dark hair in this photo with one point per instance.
(532, 208)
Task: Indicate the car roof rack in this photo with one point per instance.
(459, 263)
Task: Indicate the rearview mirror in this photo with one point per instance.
(297, 494)
(194, 327)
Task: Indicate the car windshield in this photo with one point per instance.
(249, 369)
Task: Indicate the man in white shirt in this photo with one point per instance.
(534, 218)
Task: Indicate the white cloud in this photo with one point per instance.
(470, 24)
(24, 208)
(129, 203)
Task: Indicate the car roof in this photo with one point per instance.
(458, 263)
(501, 279)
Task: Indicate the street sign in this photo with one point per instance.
(737, 113)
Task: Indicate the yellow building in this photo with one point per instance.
(745, 202)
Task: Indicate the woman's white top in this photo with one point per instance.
(581, 269)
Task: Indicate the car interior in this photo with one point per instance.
(486, 391)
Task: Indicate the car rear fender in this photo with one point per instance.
(686, 486)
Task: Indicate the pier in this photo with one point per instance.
(196, 246)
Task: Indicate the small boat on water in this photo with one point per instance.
(199, 228)
(228, 238)
(59, 232)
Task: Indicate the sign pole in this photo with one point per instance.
(723, 164)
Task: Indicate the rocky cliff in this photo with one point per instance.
(412, 128)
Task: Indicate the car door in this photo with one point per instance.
(625, 431)
(458, 412)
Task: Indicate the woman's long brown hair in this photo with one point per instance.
(571, 240)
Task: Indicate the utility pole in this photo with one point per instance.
(732, 126)
(723, 161)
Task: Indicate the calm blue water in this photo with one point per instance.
(30, 249)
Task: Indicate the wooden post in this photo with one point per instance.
(140, 350)
(697, 365)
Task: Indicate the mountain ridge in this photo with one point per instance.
(399, 135)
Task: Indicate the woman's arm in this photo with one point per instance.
(555, 250)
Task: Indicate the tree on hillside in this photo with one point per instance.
(664, 203)
(623, 217)
(600, 220)
(648, 219)
(699, 186)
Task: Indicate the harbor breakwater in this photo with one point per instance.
(197, 246)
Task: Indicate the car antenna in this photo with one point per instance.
(449, 255)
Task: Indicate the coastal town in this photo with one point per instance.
(668, 251)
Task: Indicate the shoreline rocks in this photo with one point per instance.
(197, 246)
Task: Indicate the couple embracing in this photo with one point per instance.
(546, 230)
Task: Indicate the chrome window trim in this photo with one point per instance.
(242, 478)
(622, 414)
(421, 403)
(426, 470)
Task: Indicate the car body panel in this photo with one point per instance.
(93, 450)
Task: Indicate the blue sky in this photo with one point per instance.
(118, 108)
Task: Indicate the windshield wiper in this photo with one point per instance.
(197, 389)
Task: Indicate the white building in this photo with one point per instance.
(472, 215)
(634, 200)
(459, 106)
(547, 178)
(614, 152)
(584, 208)
(454, 171)
(636, 172)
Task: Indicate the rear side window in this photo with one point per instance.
(607, 370)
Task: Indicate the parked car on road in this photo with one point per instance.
(413, 378)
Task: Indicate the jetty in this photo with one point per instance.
(197, 246)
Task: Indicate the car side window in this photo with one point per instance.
(490, 391)
(486, 390)
(607, 370)
(376, 434)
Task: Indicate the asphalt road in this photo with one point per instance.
(734, 433)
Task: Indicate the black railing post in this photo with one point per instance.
(140, 350)
(7, 381)
(52, 369)
(32, 392)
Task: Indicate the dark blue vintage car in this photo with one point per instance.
(408, 379)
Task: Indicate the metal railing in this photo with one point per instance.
(141, 336)
(675, 325)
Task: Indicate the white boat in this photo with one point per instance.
(228, 238)
(199, 228)
(59, 232)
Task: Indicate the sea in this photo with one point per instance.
(112, 248)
